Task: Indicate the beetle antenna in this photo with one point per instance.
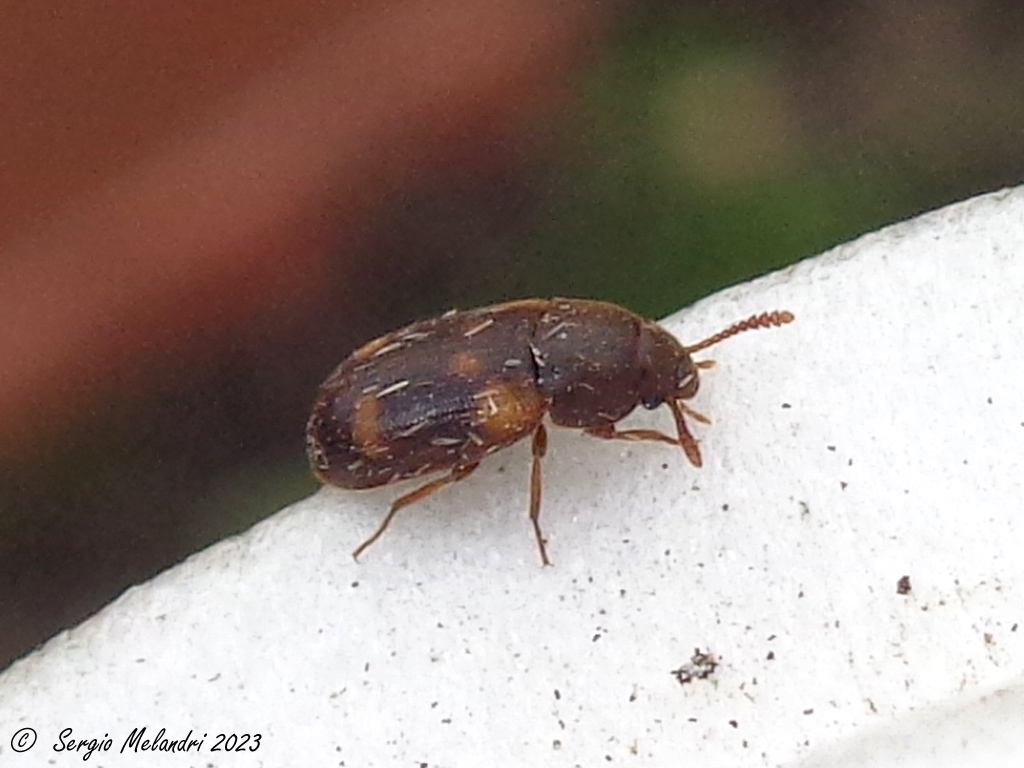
(764, 320)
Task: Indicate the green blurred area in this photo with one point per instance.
(693, 162)
(691, 175)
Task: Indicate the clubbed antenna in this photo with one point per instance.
(764, 320)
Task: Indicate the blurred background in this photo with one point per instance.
(204, 207)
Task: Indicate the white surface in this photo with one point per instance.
(877, 436)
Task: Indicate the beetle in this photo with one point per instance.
(444, 393)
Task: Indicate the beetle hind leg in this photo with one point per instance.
(458, 473)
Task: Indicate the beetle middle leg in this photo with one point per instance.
(540, 447)
(609, 432)
(458, 473)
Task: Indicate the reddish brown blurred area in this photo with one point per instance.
(185, 190)
(187, 168)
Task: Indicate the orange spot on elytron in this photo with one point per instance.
(366, 424)
(506, 411)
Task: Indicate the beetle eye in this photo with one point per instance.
(652, 401)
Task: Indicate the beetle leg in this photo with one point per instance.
(412, 497)
(695, 415)
(687, 441)
(609, 432)
(540, 447)
(704, 364)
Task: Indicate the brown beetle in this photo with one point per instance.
(442, 394)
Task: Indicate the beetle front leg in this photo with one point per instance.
(540, 447)
(687, 442)
(412, 497)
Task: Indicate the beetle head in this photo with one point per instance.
(668, 371)
(670, 375)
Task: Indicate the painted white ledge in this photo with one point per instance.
(878, 436)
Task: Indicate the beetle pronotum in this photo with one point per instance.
(444, 393)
